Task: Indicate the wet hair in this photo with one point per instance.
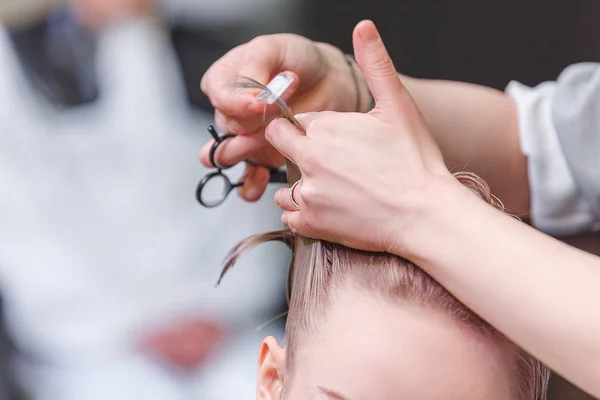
(318, 266)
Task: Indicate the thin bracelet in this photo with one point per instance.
(351, 62)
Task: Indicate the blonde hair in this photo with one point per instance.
(325, 265)
(318, 266)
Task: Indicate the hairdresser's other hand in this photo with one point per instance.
(323, 81)
(185, 346)
(364, 175)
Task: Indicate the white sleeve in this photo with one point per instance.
(559, 127)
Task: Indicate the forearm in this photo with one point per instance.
(477, 130)
(541, 293)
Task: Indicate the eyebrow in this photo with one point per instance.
(330, 393)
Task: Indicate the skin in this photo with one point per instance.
(385, 350)
(494, 272)
(475, 127)
(388, 162)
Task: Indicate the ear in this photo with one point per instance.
(271, 368)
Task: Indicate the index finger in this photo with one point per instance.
(260, 59)
(234, 150)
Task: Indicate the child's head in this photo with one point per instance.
(374, 326)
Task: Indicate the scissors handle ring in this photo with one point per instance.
(202, 185)
(213, 151)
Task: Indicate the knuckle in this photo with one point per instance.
(257, 46)
(211, 78)
(308, 194)
(310, 222)
(305, 119)
(260, 40)
(309, 161)
(316, 126)
(331, 122)
(278, 199)
(235, 125)
(324, 123)
(220, 121)
(293, 225)
(381, 66)
(273, 129)
(204, 83)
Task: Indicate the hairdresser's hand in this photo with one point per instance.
(185, 346)
(324, 81)
(364, 175)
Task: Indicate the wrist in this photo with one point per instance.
(425, 226)
(347, 88)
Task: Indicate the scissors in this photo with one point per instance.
(218, 180)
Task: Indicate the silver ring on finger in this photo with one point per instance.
(292, 195)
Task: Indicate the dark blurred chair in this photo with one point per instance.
(488, 42)
(58, 55)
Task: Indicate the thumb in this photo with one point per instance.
(378, 69)
(286, 139)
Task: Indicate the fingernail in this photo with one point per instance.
(276, 196)
(255, 108)
(368, 32)
(233, 126)
(272, 128)
(284, 218)
(300, 117)
(253, 193)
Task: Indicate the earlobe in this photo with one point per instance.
(271, 365)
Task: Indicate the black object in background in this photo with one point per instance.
(485, 42)
(197, 50)
(58, 58)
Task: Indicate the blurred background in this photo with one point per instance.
(107, 263)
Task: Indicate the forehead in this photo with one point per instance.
(367, 347)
